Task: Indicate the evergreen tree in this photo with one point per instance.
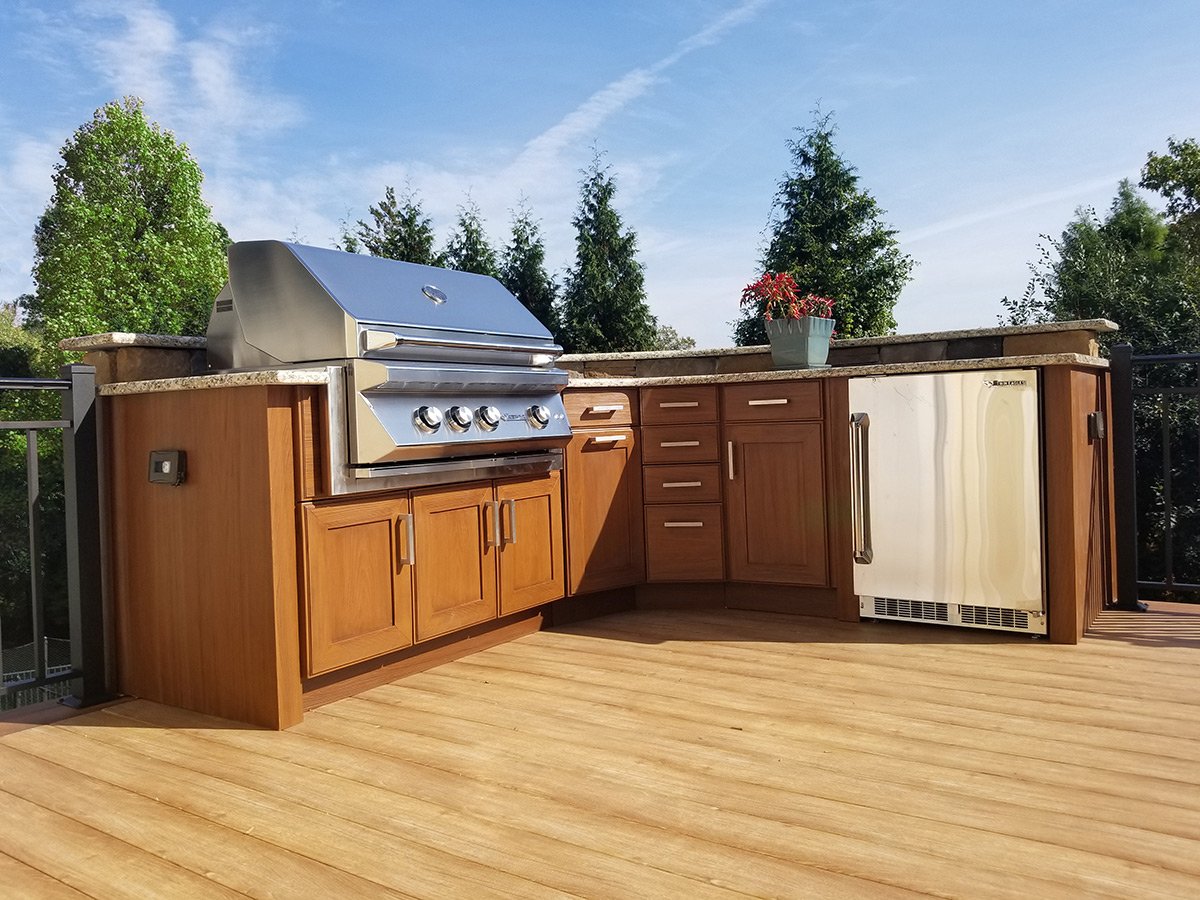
(828, 234)
(523, 271)
(604, 302)
(399, 229)
(468, 249)
(126, 243)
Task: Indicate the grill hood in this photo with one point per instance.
(288, 304)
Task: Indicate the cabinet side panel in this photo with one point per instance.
(204, 594)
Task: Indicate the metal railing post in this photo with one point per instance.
(1124, 476)
(81, 478)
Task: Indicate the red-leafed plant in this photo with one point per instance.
(777, 295)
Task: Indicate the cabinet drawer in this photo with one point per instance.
(679, 405)
(684, 543)
(679, 443)
(771, 401)
(595, 409)
(682, 484)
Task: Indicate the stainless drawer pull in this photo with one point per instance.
(613, 408)
(683, 524)
(729, 447)
(682, 484)
(679, 443)
(408, 556)
(782, 401)
(608, 438)
(679, 404)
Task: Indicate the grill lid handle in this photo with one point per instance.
(377, 340)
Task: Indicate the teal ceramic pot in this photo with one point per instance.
(800, 343)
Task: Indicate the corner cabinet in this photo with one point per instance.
(358, 577)
(775, 509)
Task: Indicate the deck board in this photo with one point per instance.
(653, 754)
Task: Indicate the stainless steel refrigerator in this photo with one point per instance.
(946, 498)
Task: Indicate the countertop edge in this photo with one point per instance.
(944, 365)
(224, 380)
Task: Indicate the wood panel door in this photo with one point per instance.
(358, 581)
(605, 547)
(531, 542)
(775, 504)
(454, 574)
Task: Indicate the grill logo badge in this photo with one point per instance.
(435, 294)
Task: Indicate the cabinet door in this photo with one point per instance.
(358, 581)
(775, 504)
(605, 547)
(454, 573)
(531, 542)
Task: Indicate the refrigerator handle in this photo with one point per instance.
(860, 488)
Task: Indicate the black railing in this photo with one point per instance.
(1156, 464)
(87, 673)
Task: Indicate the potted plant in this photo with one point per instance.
(799, 327)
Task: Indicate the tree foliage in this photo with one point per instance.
(523, 271)
(604, 302)
(126, 243)
(1127, 267)
(829, 235)
(1176, 175)
(668, 338)
(399, 229)
(468, 249)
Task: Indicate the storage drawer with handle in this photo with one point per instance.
(696, 483)
(679, 405)
(684, 543)
(771, 401)
(599, 409)
(663, 444)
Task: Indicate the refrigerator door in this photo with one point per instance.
(952, 497)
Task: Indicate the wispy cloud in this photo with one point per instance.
(1021, 204)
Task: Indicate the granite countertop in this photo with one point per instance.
(220, 380)
(942, 365)
(117, 340)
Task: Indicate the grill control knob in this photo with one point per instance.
(489, 417)
(539, 416)
(460, 418)
(428, 418)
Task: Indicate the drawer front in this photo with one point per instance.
(700, 483)
(679, 443)
(679, 405)
(596, 409)
(684, 543)
(771, 401)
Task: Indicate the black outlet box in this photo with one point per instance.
(168, 466)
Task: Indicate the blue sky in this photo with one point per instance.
(977, 126)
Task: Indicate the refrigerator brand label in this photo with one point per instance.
(1013, 383)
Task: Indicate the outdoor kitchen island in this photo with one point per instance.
(252, 592)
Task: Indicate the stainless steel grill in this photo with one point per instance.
(436, 375)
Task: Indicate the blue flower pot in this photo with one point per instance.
(800, 343)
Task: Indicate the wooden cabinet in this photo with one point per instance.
(358, 577)
(775, 503)
(683, 543)
(604, 511)
(531, 542)
(455, 561)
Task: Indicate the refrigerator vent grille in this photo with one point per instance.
(922, 610)
(995, 618)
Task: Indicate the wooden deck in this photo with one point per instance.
(652, 754)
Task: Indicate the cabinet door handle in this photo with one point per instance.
(614, 407)
(491, 513)
(679, 443)
(682, 484)
(608, 438)
(408, 557)
(512, 522)
(860, 489)
(782, 401)
(729, 457)
(683, 524)
(679, 404)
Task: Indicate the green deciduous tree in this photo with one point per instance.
(126, 243)
(399, 229)
(468, 249)
(523, 270)
(667, 338)
(604, 302)
(1176, 175)
(829, 234)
